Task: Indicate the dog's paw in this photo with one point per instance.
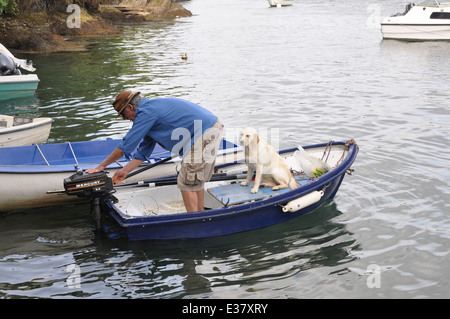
(254, 190)
(244, 184)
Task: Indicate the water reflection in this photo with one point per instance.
(24, 106)
(182, 268)
(167, 269)
(44, 231)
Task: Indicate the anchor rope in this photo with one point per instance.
(347, 145)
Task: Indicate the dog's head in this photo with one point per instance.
(248, 136)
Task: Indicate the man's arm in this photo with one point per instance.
(114, 156)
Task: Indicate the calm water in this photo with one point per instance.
(313, 72)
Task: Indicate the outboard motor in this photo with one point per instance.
(7, 66)
(96, 187)
(86, 185)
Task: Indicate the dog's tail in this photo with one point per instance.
(292, 182)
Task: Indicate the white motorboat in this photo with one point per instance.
(20, 131)
(14, 84)
(280, 3)
(429, 20)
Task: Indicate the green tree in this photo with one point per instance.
(8, 7)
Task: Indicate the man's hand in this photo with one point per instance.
(96, 169)
(119, 176)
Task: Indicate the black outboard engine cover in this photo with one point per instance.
(7, 66)
(83, 184)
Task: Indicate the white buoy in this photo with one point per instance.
(302, 202)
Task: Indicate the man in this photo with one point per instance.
(179, 126)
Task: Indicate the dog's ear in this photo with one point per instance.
(253, 148)
(254, 140)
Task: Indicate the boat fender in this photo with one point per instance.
(302, 202)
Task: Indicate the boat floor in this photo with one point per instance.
(141, 204)
(235, 194)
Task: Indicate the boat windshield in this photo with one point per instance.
(433, 3)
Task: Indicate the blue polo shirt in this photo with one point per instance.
(173, 123)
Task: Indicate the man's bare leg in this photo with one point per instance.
(194, 200)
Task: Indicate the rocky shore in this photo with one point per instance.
(38, 28)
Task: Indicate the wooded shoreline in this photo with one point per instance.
(60, 25)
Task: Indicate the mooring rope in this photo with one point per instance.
(327, 148)
(347, 144)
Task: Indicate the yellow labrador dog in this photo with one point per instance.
(271, 169)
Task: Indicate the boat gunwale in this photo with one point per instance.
(27, 78)
(226, 212)
(416, 24)
(43, 168)
(27, 126)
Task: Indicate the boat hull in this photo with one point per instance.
(280, 3)
(16, 86)
(416, 32)
(36, 131)
(25, 186)
(230, 219)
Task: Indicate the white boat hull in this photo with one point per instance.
(280, 3)
(415, 32)
(29, 190)
(36, 131)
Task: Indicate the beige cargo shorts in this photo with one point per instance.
(198, 165)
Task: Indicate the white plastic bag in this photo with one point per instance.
(312, 166)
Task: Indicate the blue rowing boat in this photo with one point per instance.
(154, 210)
(28, 173)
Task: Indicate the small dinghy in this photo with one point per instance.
(154, 209)
(20, 131)
(280, 3)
